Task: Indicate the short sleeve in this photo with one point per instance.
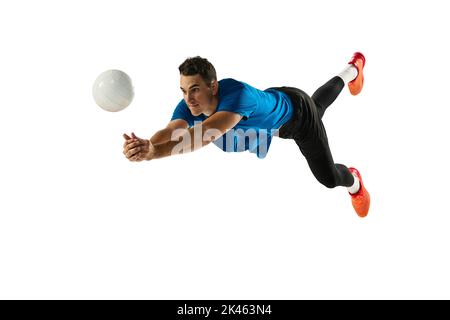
(182, 112)
(238, 100)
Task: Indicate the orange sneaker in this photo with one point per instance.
(355, 86)
(361, 199)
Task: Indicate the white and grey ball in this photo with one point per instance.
(113, 90)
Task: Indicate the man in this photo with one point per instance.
(237, 117)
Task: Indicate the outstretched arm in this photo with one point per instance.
(214, 127)
(200, 135)
(135, 148)
(165, 134)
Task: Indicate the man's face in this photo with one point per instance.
(197, 94)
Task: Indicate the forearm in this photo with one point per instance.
(168, 148)
(161, 136)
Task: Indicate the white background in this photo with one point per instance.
(78, 221)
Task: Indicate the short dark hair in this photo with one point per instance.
(198, 65)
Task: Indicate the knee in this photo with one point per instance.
(329, 182)
(330, 185)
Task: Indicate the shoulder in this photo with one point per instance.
(231, 84)
(182, 112)
(182, 106)
(231, 88)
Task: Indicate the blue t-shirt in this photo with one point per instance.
(263, 113)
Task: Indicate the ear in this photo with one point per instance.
(214, 87)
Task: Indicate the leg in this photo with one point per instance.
(352, 75)
(326, 171)
(326, 94)
(315, 148)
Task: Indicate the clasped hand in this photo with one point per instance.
(138, 149)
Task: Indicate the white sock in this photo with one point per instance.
(349, 73)
(355, 187)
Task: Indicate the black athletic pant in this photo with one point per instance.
(308, 131)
